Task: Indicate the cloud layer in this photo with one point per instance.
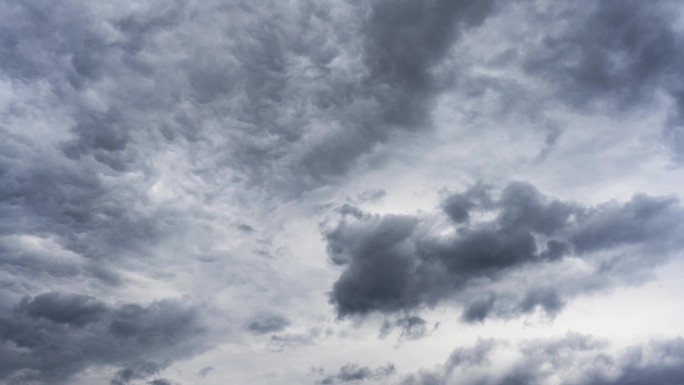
(165, 167)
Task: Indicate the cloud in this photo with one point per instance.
(462, 358)
(160, 381)
(282, 342)
(572, 359)
(177, 148)
(355, 373)
(619, 54)
(284, 88)
(472, 356)
(372, 195)
(53, 336)
(206, 371)
(276, 100)
(267, 324)
(411, 327)
(396, 263)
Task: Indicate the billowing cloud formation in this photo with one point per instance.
(50, 337)
(573, 359)
(608, 57)
(400, 262)
(184, 149)
(125, 126)
(622, 51)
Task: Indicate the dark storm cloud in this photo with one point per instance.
(66, 185)
(404, 40)
(282, 89)
(57, 202)
(285, 341)
(283, 100)
(354, 373)
(396, 263)
(267, 324)
(573, 359)
(477, 355)
(620, 53)
(273, 97)
(547, 299)
(50, 337)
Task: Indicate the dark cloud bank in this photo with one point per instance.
(397, 263)
(279, 100)
(272, 98)
(53, 336)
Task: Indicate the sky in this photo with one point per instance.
(402, 192)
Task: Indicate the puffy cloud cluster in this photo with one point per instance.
(396, 263)
(53, 336)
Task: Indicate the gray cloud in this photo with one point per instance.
(622, 51)
(267, 324)
(269, 100)
(395, 263)
(137, 371)
(461, 358)
(478, 310)
(284, 100)
(618, 53)
(411, 327)
(476, 355)
(282, 342)
(160, 381)
(146, 147)
(292, 91)
(372, 195)
(572, 359)
(51, 337)
(354, 373)
(206, 371)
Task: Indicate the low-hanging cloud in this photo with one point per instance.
(53, 336)
(395, 263)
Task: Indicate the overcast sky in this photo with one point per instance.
(402, 192)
